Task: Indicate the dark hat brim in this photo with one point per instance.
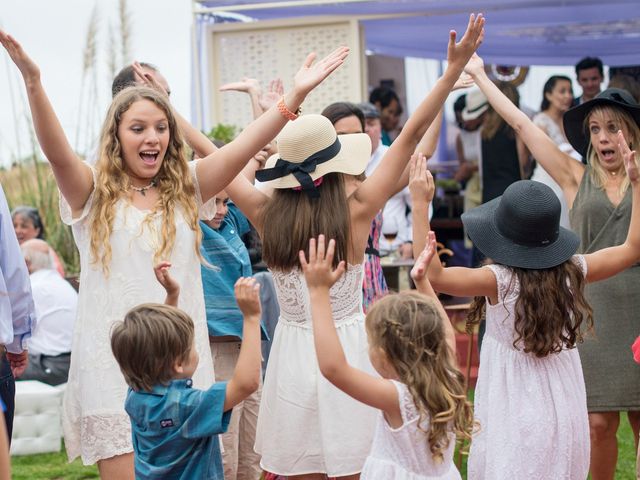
(573, 120)
(481, 226)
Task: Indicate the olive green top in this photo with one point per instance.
(611, 376)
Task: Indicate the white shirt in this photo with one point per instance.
(56, 303)
(396, 216)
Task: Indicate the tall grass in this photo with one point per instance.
(31, 182)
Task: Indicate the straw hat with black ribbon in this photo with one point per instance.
(309, 148)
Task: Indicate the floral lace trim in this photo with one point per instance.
(97, 437)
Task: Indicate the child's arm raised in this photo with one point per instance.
(374, 192)
(562, 168)
(74, 177)
(168, 282)
(420, 278)
(607, 262)
(218, 169)
(375, 392)
(246, 375)
(456, 281)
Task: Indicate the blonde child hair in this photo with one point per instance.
(409, 328)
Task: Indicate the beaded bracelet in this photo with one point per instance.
(285, 112)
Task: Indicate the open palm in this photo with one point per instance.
(27, 67)
(459, 53)
(311, 74)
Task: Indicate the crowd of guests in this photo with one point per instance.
(161, 347)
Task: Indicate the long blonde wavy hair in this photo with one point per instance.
(409, 329)
(173, 181)
(622, 121)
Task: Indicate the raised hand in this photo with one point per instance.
(247, 292)
(421, 184)
(475, 65)
(168, 282)
(274, 92)
(28, 68)
(459, 53)
(419, 270)
(246, 85)
(464, 81)
(318, 271)
(146, 78)
(311, 75)
(629, 158)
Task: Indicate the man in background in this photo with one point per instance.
(590, 75)
(55, 302)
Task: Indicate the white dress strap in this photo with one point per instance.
(206, 211)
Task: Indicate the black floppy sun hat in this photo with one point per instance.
(522, 228)
(573, 119)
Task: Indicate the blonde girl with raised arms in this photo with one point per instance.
(138, 205)
(307, 428)
(420, 393)
(530, 398)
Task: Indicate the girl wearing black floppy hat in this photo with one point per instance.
(530, 399)
(599, 201)
(308, 428)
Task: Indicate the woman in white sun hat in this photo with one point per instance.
(307, 427)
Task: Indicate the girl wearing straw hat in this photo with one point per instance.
(599, 201)
(530, 399)
(306, 427)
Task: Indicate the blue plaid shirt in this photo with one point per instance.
(224, 249)
(175, 431)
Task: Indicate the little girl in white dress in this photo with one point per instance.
(420, 397)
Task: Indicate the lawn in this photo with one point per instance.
(54, 466)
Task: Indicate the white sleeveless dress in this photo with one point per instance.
(94, 421)
(403, 453)
(532, 411)
(305, 424)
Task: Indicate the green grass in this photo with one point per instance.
(50, 466)
(54, 466)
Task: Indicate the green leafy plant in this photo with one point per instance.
(223, 133)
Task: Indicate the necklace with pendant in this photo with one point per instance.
(142, 190)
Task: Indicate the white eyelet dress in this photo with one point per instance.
(94, 421)
(403, 453)
(532, 411)
(305, 424)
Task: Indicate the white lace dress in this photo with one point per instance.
(532, 411)
(95, 423)
(305, 424)
(403, 453)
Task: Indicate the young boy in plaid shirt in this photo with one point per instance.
(174, 426)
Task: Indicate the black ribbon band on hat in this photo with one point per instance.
(301, 170)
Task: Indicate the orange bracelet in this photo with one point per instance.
(285, 112)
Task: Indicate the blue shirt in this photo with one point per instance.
(17, 314)
(223, 248)
(174, 429)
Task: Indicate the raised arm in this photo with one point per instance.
(246, 375)
(168, 283)
(373, 391)
(609, 261)
(218, 169)
(562, 168)
(73, 177)
(374, 192)
(420, 278)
